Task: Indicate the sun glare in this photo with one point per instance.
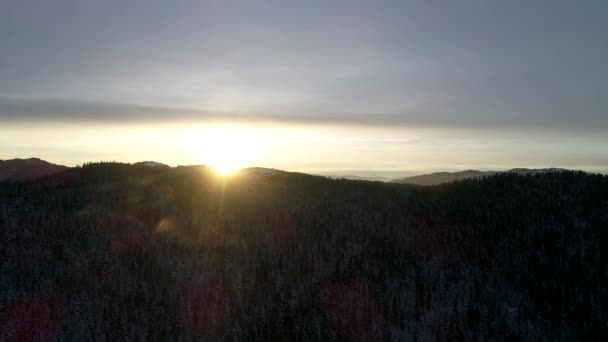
(225, 148)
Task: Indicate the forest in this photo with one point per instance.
(119, 252)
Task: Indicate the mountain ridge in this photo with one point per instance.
(436, 178)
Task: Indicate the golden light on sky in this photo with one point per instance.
(225, 148)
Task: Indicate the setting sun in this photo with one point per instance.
(225, 148)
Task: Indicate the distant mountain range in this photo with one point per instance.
(35, 168)
(444, 177)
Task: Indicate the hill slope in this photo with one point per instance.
(121, 252)
(28, 169)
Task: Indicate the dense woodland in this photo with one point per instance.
(116, 252)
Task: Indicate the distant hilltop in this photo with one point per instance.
(444, 177)
(154, 164)
(26, 169)
(35, 168)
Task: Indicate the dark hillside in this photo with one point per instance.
(127, 252)
(28, 169)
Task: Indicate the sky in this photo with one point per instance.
(307, 85)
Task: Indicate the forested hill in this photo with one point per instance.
(128, 252)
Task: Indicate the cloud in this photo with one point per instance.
(23, 110)
(471, 64)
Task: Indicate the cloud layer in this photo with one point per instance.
(465, 64)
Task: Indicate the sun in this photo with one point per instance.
(226, 157)
(225, 148)
(225, 167)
